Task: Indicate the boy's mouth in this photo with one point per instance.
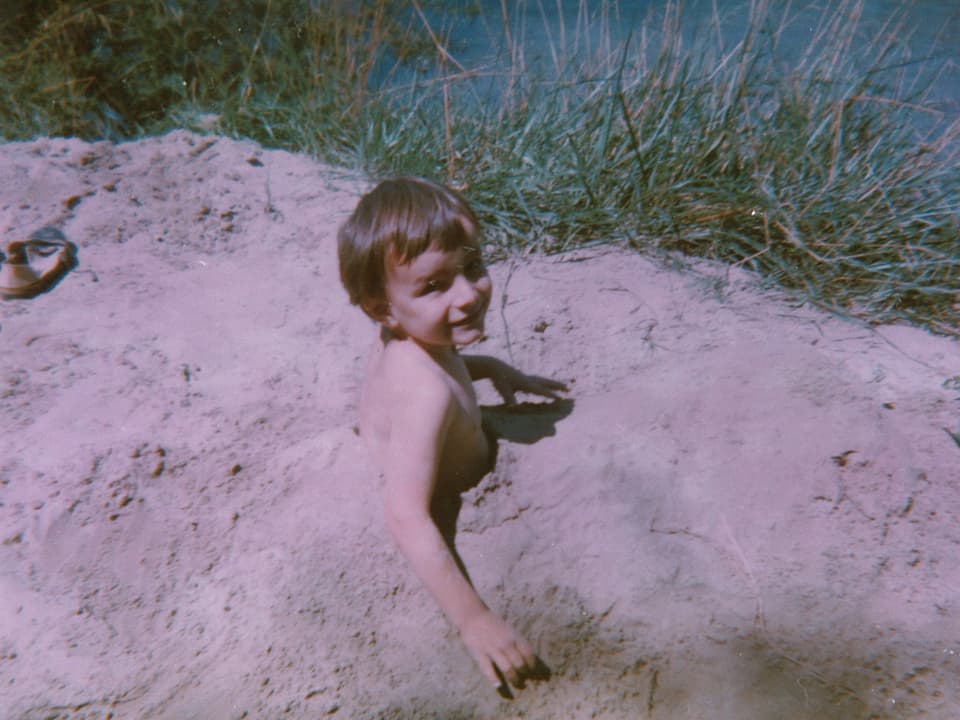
(473, 317)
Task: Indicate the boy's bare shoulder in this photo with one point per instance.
(404, 379)
(405, 360)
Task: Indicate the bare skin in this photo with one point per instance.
(420, 417)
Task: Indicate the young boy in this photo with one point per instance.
(410, 257)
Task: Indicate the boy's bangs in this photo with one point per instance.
(445, 230)
(396, 222)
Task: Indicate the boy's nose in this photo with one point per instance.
(466, 292)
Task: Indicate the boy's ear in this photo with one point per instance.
(378, 309)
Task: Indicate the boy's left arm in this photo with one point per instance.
(508, 380)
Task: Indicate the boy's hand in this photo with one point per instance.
(508, 381)
(495, 645)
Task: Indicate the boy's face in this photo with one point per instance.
(439, 299)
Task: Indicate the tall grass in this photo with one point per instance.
(826, 169)
(122, 68)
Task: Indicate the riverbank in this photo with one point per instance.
(748, 510)
(827, 164)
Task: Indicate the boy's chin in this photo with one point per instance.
(467, 336)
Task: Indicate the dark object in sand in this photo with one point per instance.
(36, 265)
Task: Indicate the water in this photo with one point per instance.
(928, 50)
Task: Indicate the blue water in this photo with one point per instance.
(927, 46)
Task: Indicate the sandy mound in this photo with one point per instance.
(749, 509)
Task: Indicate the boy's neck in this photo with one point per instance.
(440, 353)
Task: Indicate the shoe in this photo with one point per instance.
(36, 265)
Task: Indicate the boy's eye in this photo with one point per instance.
(432, 286)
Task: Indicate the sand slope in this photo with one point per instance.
(747, 510)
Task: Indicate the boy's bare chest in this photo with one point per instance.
(464, 443)
(461, 386)
(464, 457)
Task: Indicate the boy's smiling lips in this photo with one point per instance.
(473, 317)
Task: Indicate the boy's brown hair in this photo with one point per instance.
(398, 220)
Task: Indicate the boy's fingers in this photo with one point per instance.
(551, 381)
(513, 676)
(527, 660)
(493, 676)
(523, 663)
(505, 665)
(506, 392)
(548, 384)
(500, 684)
(516, 663)
(528, 655)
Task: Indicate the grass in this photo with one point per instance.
(830, 173)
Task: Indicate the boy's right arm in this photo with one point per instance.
(418, 430)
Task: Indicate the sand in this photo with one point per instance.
(746, 508)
